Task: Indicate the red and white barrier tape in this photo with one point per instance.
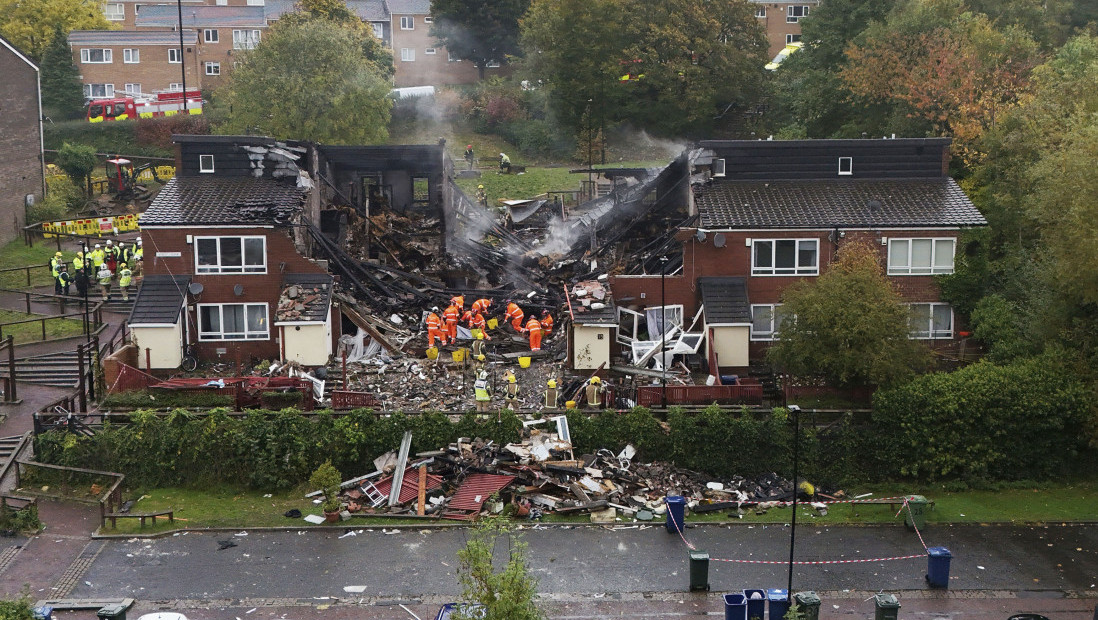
(914, 525)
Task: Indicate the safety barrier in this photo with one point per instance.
(93, 226)
(649, 395)
(345, 399)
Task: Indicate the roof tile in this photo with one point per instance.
(189, 201)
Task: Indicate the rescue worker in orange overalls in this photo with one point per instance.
(451, 316)
(434, 328)
(478, 322)
(514, 314)
(546, 322)
(459, 301)
(533, 328)
(481, 306)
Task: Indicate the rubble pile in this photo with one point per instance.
(541, 475)
(295, 300)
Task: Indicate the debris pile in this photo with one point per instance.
(540, 475)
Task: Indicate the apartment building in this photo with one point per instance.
(22, 180)
(113, 61)
(782, 20)
(419, 59)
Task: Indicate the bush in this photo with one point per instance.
(157, 132)
(17, 609)
(51, 209)
(165, 399)
(282, 400)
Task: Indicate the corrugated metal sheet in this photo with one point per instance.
(472, 494)
(409, 488)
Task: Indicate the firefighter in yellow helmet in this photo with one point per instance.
(551, 393)
(482, 196)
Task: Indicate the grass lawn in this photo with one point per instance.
(235, 508)
(32, 332)
(17, 254)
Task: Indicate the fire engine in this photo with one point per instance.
(140, 105)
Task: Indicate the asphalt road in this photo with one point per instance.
(579, 562)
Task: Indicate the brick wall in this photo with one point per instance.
(153, 72)
(775, 22)
(434, 69)
(282, 257)
(20, 142)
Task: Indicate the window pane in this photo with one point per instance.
(230, 252)
(897, 254)
(943, 320)
(233, 316)
(920, 255)
(207, 252)
(253, 252)
(209, 319)
(257, 319)
(920, 320)
(785, 254)
(806, 255)
(761, 319)
(943, 256)
(764, 254)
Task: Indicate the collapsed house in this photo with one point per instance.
(670, 278)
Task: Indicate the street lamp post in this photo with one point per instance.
(87, 283)
(182, 60)
(663, 328)
(796, 411)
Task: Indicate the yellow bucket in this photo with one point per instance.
(432, 353)
(524, 362)
(570, 404)
(459, 355)
(493, 323)
(475, 332)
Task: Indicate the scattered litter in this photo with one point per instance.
(354, 589)
(225, 544)
(314, 519)
(351, 533)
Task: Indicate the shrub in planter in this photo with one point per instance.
(278, 401)
(327, 479)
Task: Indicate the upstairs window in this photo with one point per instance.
(846, 166)
(760, 12)
(210, 35)
(407, 22)
(794, 13)
(213, 68)
(407, 54)
(908, 257)
(785, 257)
(131, 56)
(174, 55)
(245, 39)
(230, 254)
(96, 56)
(114, 11)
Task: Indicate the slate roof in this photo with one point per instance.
(164, 15)
(206, 200)
(409, 7)
(159, 300)
(725, 300)
(846, 203)
(605, 316)
(367, 10)
(314, 298)
(130, 37)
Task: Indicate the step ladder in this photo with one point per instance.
(377, 498)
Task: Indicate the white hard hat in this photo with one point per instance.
(97, 245)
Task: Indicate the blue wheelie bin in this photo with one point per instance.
(735, 607)
(937, 569)
(756, 604)
(779, 603)
(676, 513)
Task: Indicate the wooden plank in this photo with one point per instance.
(421, 506)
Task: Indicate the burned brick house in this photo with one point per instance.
(772, 213)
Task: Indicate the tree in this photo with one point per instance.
(507, 594)
(30, 24)
(62, 93)
(848, 326)
(678, 68)
(480, 31)
(336, 11)
(310, 79)
(78, 161)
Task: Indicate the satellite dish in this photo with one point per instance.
(195, 288)
(700, 236)
(238, 290)
(718, 240)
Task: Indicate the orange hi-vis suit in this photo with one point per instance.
(547, 323)
(515, 314)
(451, 315)
(459, 301)
(481, 306)
(434, 330)
(467, 318)
(478, 322)
(533, 327)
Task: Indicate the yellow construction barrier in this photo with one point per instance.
(98, 226)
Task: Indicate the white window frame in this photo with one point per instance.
(768, 335)
(205, 165)
(430, 51)
(379, 30)
(791, 13)
(105, 52)
(89, 91)
(114, 16)
(450, 57)
(427, 19)
(492, 64)
(407, 22)
(792, 38)
(927, 331)
(175, 55)
(211, 35)
(256, 3)
(407, 54)
(760, 12)
(246, 39)
(797, 269)
(248, 309)
(132, 87)
(212, 68)
(937, 261)
(219, 268)
(131, 56)
(175, 86)
(848, 168)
